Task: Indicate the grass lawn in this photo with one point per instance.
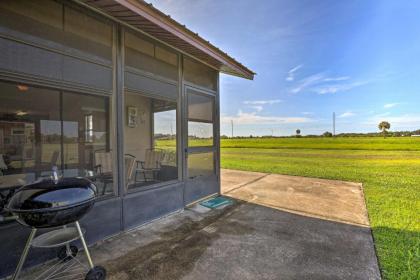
(388, 168)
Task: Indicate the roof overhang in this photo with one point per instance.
(147, 19)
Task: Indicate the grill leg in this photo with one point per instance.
(82, 239)
(24, 254)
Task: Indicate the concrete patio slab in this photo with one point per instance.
(258, 242)
(328, 199)
(232, 179)
(249, 239)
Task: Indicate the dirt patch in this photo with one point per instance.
(177, 250)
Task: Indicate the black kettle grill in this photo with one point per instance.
(51, 203)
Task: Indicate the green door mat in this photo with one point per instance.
(216, 202)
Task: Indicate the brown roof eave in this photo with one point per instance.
(159, 21)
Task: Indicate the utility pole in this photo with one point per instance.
(334, 124)
(231, 123)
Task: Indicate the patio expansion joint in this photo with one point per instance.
(248, 183)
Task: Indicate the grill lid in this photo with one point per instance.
(49, 194)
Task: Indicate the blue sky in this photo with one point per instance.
(358, 58)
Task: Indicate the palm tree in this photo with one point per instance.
(384, 126)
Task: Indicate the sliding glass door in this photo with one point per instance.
(41, 128)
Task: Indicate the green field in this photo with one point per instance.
(388, 168)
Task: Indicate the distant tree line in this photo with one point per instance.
(329, 134)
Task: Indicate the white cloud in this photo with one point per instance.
(406, 121)
(254, 118)
(347, 114)
(331, 89)
(258, 105)
(390, 105)
(308, 81)
(262, 102)
(307, 113)
(343, 78)
(258, 108)
(291, 73)
(382, 115)
(321, 84)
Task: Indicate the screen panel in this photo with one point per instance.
(87, 34)
(150, 141)
(200, 107)
(200, 164)
(145, 55)
(200, 74)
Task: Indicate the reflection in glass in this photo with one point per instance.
(86, 139)
(89, 128)
(150, 145)
(30, 134)
(42, 128)
(200, 134)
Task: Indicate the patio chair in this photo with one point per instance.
(129, 161)
(103, 168)
(151, 165)
(169, 157)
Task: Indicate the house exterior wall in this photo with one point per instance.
(61, 46)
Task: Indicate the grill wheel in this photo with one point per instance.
(96, 273)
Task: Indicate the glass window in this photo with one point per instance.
(42, 128)
(86, 139)
(89, 128)
(201, 164)
(149, 141)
